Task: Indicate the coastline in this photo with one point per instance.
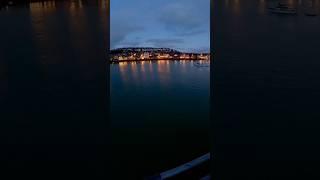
(143, 60)
(153, 54)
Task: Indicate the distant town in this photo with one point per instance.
(148, 53)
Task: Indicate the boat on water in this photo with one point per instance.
(202, 63)
(283, 9)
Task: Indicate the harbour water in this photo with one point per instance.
(160, 114)
(265, 90)
(53, 90)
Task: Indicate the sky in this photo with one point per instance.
(178, 24)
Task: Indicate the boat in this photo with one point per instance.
(283, 9)
(202, 63)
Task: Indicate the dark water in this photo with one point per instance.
(265, 91)
(53, 89)
(160, 115)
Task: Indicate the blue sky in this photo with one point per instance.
(179, 24)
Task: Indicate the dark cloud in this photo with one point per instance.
(184, 18)
(130, 44)
(192, 32)
(120, 30)
(203, 50)
(160, 23)
(172, 43)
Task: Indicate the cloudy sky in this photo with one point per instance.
(179, 24)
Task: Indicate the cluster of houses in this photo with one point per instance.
(141, 54)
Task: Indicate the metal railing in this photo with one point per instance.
(182, 168)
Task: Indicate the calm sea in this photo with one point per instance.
(160, 114)
(53, 89)
(265, 90)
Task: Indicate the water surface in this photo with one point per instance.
(160, 114)
(265, 90)
(53, 90)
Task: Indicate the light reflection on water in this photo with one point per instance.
(163, 106)
(53, 53)
(166, 72)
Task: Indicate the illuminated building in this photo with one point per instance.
(147, 53)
